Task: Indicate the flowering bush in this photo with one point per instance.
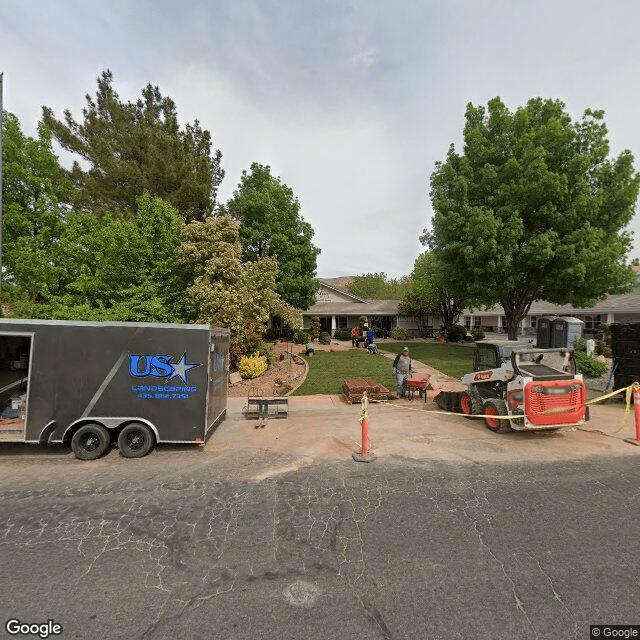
(252, 366)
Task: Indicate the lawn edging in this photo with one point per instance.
(302, 378)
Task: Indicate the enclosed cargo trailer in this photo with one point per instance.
(94, 383)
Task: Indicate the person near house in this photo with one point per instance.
(372, 347)
(355, 337)
(402, 370)
(371, 336)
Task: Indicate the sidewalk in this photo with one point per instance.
(323, 429)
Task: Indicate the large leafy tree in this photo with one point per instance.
(533, 209)
(119, 269)
(378, 286)
(271, 226)
(227, 292)
(429, 294)
(132, 148)
(34, 196)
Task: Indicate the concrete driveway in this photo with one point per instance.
(324, 427)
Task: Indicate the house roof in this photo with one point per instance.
(625, 303)
(340, 283)
(365, 308)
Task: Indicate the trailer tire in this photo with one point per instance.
(496, 407)
(470, 403)
(90, 441)
(135, 440)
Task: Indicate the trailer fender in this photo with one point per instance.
(46, 433)
(126, 421)
(111, 424)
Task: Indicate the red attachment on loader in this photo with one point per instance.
(555, 402)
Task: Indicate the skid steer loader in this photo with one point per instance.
(539, 387)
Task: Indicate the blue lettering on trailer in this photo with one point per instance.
(161, 366)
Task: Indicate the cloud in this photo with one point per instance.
(364, 58)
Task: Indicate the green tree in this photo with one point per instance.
(118, 269)
(227, 292)
(429, 294)
(377, 286)
(271, 226)
(134, 148)
(533, 209)
(34, 196)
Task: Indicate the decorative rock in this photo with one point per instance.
(234, 378)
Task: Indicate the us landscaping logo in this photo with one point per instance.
(163, 369)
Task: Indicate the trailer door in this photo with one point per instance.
(15, 365)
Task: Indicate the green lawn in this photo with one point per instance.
(454, 360)
(328, 370)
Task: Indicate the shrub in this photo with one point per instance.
(342, 334)
(314, 329)
(589, 366)
(265, 350)
(400, 333)
(478, 334)
(300, 337)
(252, 366)
(457, 333)
(580, 345)
(325, 338)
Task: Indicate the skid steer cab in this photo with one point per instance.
(539, 388)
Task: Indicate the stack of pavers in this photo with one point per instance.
(354, 389)
(625, 345)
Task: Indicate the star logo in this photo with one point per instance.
(180, 369)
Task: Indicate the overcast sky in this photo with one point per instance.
(350, 103)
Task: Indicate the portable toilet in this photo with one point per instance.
(565, 332)
(543, 340)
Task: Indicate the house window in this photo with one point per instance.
(341, 322)
(534, 322)
(467, 321)
(591, 323)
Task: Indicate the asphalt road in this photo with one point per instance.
(180, 545)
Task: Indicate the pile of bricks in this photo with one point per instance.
(354, 389)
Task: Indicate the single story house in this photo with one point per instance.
(339, 309)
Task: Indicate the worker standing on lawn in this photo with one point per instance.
(355, 337)
(402, 370)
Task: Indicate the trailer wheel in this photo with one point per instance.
(496, 407)
(135, 440)
(90, 441)
(470, 402)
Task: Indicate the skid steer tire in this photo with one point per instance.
(496, 407)
(470, 403)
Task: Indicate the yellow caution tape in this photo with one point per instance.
(628, 390)
(364, 413)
